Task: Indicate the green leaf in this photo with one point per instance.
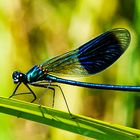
(78, 124)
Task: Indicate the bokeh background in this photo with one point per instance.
(33, 31)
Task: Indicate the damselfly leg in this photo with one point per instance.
(31, 92)
(51, 87)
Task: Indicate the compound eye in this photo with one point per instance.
(16, 76)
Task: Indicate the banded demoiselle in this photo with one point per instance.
(90, 58)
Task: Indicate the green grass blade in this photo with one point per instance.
(79, 124)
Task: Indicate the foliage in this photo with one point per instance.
(74, 123)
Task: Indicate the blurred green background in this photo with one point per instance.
(33, 31)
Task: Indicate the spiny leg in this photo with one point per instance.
(31, 93)
(50, 86)
(39, 103)
(42, 94)
(22, 93)
(53, 96)
(47, 86)
(52, 101)
(63, 97)
(14, 93)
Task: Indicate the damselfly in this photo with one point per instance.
(90, 58)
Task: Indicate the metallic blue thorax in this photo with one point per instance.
(35, 74)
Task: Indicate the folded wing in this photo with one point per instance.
(92, 57)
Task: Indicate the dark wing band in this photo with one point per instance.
(92, 57)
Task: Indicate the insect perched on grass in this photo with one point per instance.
(92, 57)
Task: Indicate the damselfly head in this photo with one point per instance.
(19, 77)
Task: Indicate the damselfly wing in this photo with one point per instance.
(90, 58)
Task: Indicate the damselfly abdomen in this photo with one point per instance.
(90, 58)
